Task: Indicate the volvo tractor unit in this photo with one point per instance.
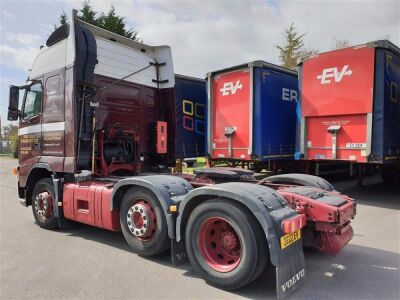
(97, 134)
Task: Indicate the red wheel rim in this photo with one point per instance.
(44, 205)
(219, 244)
(142, 220)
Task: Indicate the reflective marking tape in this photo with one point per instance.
(53, 126)
(46, 127)
(30, 129)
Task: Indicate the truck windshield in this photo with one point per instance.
(33, 101)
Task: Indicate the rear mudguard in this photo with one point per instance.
(270, 209)
(302, 179)
(168, 189)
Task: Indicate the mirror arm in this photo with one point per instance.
(28, 84)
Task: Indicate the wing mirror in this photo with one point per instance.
(13, 101)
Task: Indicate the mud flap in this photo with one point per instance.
(290, 274)
(178, 253)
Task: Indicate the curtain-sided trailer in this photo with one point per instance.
(190, 117)
(252, 114)
(350, 106)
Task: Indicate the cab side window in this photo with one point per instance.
(33, 101)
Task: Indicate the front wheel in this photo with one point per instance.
(143, 222)
(225, 244)
(43, 204)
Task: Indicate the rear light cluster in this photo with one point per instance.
(293, 224)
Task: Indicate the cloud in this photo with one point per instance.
(6, 14)
(19, 50)
(208, 35)
(23, 38)
(18, 57)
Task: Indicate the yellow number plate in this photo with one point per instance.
(290, 238)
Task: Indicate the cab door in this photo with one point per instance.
(30, 128)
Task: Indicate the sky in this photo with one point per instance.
(204, 35)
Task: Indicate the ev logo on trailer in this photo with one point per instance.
(333, 72)
(229, 88)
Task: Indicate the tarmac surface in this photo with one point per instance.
(90, 263)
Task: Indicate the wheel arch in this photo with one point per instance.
(302, 179)
(168, 190)
(36, 173)
(268, 208)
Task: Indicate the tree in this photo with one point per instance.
(88, 14)
(11, 134)
(340, 43)
(116, 24)
(63, 19)
(305, 52)
(110, 21)
(9, 131)
(290, 52)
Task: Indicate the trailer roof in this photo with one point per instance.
(255, 63)
(386, 44)
(190, 78)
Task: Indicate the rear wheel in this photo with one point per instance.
(43, 204)
(143, 222)
(225, 244)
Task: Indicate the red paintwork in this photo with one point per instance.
(342, 100)
(70, 122)
(332, 230)
(332, 243)
(351, 95)
(231, 110)
(316, 218)
(353, 131)
(219, 244)
(129, 105)
(46, 147)
(89, 202)
(45, 203)
(137, 107)
(162, 137)
(319, 211)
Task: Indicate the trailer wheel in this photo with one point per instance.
(143, 222)
(43, 204)
(225, 244)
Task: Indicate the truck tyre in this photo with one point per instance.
(43, 204)
(225, 244)
(143, 222)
